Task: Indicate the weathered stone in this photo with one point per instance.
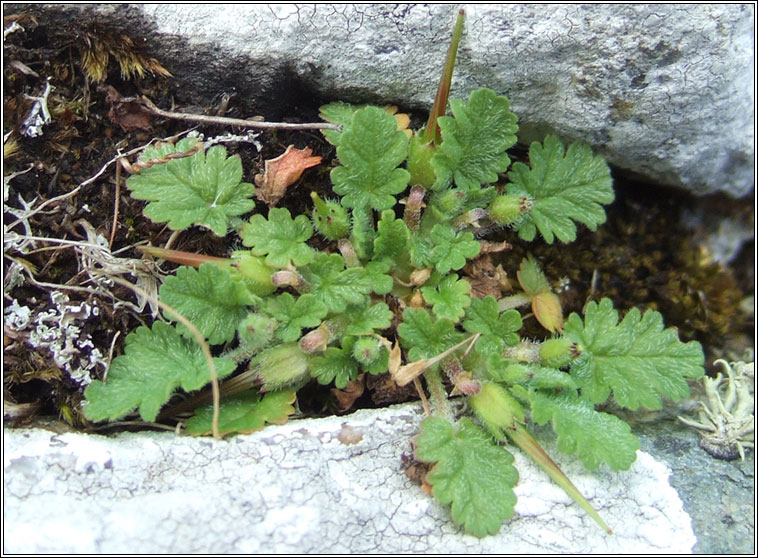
(333, 485)
(663, 91)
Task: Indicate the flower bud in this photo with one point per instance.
(496, 408)
(510, 208)
(330, 218)
(556, 353)
(367, 350)
(282, 366)
(256, 273)
(256, 331)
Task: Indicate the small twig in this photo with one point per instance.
(225, 121)
(115, 206)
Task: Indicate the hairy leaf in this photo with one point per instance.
(425, 338)
(471, 473)
(564, 187)
(452, 248)
(450, 298)
(336, 286)
(636, 358)
(367, 318)
(244, 413)
(594, 436)
(370, 152)
(280, 238)
(498, 330)
(203, 189)
(392, 241)
(156, 361)
(474, 143)
(337, 365)
(210, 298)
(294, 315)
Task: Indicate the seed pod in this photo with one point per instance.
(366, 350)
(256, 331)
(556, 353)
(330, 218)
(255, 271)
(282, 366)
(510, 208)
(496, 408)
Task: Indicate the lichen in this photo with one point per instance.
(726, 415)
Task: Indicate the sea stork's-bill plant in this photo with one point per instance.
(389, 293)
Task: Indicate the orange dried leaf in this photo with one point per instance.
(282, 172)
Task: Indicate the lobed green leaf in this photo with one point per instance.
(425, 338)
(565, 187)
(498, 330)
(452, 248)
(244, 413)
(210, 298)
(450, 298)
(280, 238)
(474, 143)
(471, 473)
(635, 359)
(294, 315)
(594, 436)
(156, 361)
(370, 151)
(203, 189)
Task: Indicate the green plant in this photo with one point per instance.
(288, 312)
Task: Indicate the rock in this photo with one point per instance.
(332, 485)
(662, 91)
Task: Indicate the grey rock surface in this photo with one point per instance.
(662, 91)
(333, 485)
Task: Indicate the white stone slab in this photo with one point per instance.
(298, 488)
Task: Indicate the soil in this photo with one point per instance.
(643, 256)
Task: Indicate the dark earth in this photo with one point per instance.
(642, 257)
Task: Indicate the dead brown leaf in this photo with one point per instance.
(127, 112)
(346, 397)
(282, 172)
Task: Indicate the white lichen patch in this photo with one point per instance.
(726, 416)
(58, 331)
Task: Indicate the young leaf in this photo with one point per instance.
(203, 189)
(594, 436)
(370, 152)
(244, 413)
(392, 239)
(424, 338)
(280, 238)
(636, 359)
(474, 143)
(451, 248)
(471, 473)
(335, 286)
(367, 318)
(293, 315)
(450, 298)
(155, 362)
(498, 330)
(562, 188)
(210, 298)
(337, 113)
(337, 365)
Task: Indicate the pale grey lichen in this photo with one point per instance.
(59, 332)
(726, 416)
